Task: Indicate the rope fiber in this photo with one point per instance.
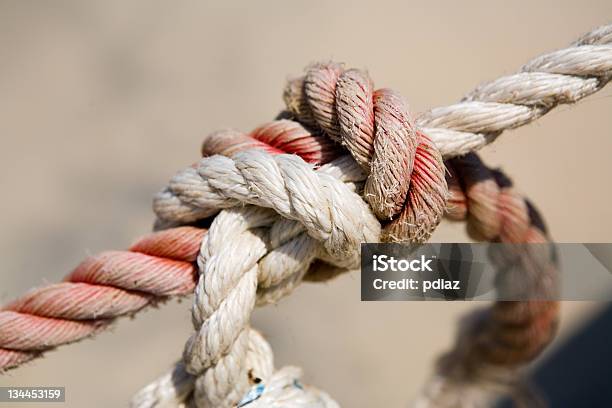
(342, 165)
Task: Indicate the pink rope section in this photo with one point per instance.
(276, 137)
(405, 187)
(100, 289)
(512, 332)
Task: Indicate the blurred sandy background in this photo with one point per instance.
(100, 103)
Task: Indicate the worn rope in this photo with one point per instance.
(101, 288)
(405, 186)
(560, 77)
(494, 343)
(449, 142)
(322, 217)
(508, 220)
(406, 192)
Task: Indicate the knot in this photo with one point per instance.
(405, 187)
(290, 200)
(296, 214)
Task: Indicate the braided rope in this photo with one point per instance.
(406, 192)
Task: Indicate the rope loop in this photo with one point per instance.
(405, 187)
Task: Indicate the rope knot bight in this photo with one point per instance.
(296, 213)
(405, 186)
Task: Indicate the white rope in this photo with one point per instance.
(316, 215)
(560, 77)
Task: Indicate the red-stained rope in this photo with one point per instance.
(118, 283)
(102, 288)
(512, 332)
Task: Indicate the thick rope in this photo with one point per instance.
(588, 58)
(449, 142)
(100, 289)
(494, 343)
(332, 221)
(405, 185)
(512, 212)
(560, 77)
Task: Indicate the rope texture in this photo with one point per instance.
(101, 288)
(493, 343)
(495, 212)
(405, 191)
(316, 215)
(378, 132)
(405, 186)
(560, 77)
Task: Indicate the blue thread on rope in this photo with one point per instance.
(253, 394)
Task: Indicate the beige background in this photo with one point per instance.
(101, 103)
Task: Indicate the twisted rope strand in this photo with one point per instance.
(100, 289)
(493, 344)
(225, 292)
(517, 221)
(405, 186)
(560, 77)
